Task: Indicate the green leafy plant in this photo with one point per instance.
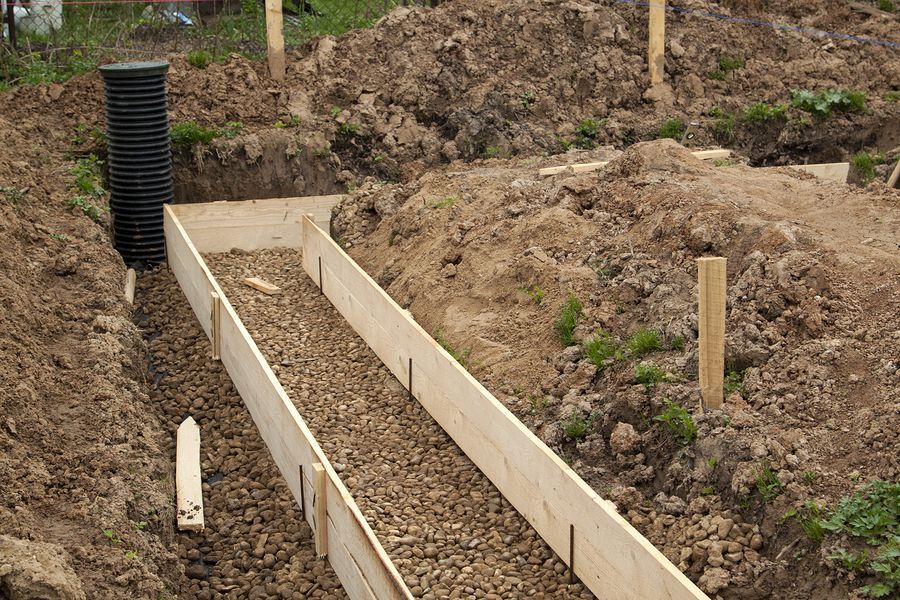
(88, 208)
(527, 99)
(887, 6)
(188, 133)
(539, 403)
(88, 176)
(578, 424)
(111, 536)
(809, 476)
(677, 343)
(130, 554)
(851, 561)
(642, 342)
(767, 483)
(734, 382)
(460, 357)
(672, 128)
(865, 163)
(828, 101)
(447, 202)
(59, 237)
(762, 112)
(348, 129)
(568, 319)
(723, 127)
(232, 129)
(565, 144)
(711, 463)
(679, 422)
(492, 152)
(139, 525)
(600, 348)
(726, 65)
(893, 96)
(586, 133)
(809, 515)
(649, 374)
(13, 195)
(199, 58)
(536, 293)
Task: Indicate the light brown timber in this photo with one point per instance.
(711, 275)
(275, 40)
(188, 490)
(656, 53)
(595, 166)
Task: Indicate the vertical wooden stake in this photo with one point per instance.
(188, 483)
(275, 39)
(321, 512)
(657, 46)
(409, 387)
(894, 179)
(130, 283)
(214, 325)
(711, 276)
(11, 23)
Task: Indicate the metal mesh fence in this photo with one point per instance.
(55, 39)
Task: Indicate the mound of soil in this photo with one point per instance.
(487, 256)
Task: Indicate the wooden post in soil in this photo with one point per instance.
(711, 276)
(657, 46)
(894, 179)
(320, 510)
(275, 39)
(130, 283)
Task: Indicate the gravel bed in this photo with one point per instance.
(447, 528)
(255, 544)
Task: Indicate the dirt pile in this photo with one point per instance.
(85, 509)
(487, 256)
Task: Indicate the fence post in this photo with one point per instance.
(656, 59)
(275, 39)
(711, 277)
(11, 22)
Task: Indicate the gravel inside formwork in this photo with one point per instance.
(444, 524)
(255, 545)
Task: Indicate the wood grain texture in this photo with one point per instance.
(830, 171)
(252, 224)
(611, 558)
(711, 274)
(261, 285)
(275, 40)
(130, 283)
(894, 180)
(358, 559)
(188, 490)
(656, 52)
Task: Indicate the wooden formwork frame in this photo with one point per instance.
(601, 548)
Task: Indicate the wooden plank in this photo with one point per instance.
(595, 166)
(711, 274)
(320, 509)
(611, 558)
(275, 40)
(894, 179)
(252, 224)
(262, 285)
(188, 484)
(656, 54)
(830, 171)
(358, 559)
(130, 283)
(215, 326)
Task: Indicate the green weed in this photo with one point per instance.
(348, 129)
(578, 424)
(199, 58)
(111, 536)
(600, 348)
(88, 208)
(672, 128)
(767, 484)
(731, 63)
(649, 375)
(13, 195)
(527, 99)
(88, 176)
(188, 133)
(809, 515)
(824, 103)
(461, 357)
(893, 96)
(139, 525)
(677, 343)
(708, 491)
(734, 382)
(865, 163)
(809, 476)
(536, 293)
(59, 237)
(887, 6)
(642, 342)
(711, 463)
(679, 422)
(568, 319)
(851, 561)
(586, 133)
(762, 112)
(539, 403)
(492, 152)
(130, 554)
(723, 128)
(232, 129)
(565, 144)
(447, 202)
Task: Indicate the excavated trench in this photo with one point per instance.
(446, 527)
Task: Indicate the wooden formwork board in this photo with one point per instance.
(252, 224)
(594, 166)
(610, 557)
(358, 559)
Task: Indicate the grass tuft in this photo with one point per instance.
(578, 424)
(568, 319)
(460, 357)
(767, 483)
(188, 133)
(649, 374)
(762, 112)
(672, 128)
(600, 348)
(865, 163)
(642, 342)
(824, 103)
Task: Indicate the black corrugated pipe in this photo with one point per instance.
(140, 158)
